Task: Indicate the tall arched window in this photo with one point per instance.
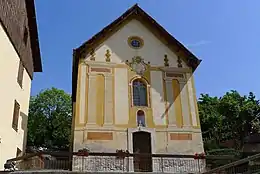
(139, 93)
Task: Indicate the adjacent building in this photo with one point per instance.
(133, 89)
(19, 59)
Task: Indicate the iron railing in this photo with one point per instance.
(129, 162)
(248, 165)
(112, 162)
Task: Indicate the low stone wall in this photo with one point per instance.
(178, 165)
(111, 164)
(99, 164)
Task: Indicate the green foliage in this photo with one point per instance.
(231, 117)
(49, 122)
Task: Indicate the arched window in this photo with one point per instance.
(139, 93)
(140, 118)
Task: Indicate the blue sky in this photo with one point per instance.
(224, 34)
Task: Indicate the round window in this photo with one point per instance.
(135, 42)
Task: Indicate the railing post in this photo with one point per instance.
(127, 167)
(199, 164)
(83, 161)
(161, 163)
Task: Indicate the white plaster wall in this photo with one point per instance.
(185, 105)
(82, 96)
(170, 103)
(161, 142)
(10, 91)
(121, 96)
(153, 49)
(109, 146)
(191, 99)
(157, 97)
(92, 97)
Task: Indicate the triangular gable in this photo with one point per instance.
(135, 12)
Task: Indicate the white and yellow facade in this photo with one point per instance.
(104, 114)
(15, 82)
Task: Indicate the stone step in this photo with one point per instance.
(70, 172)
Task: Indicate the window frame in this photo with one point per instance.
(144, 81)
(16, 114)
(25, 35)
(20, 74)
(141, 117)
(137, 38)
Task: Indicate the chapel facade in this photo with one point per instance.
(133, 89)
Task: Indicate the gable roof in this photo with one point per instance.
(135, 12)
(36, 54)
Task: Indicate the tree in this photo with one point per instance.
(231, 117)
(49, 120)
(209, 118)
(239, 114)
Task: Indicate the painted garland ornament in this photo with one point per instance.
(138, 65)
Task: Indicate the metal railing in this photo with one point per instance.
(112, 162)
(131, 162)
(249, 165)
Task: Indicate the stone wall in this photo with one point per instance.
(111, 164)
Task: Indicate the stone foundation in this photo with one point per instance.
(178, 165)
(99, 164)
(111, 164)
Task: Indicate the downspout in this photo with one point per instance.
(167, 141)
(127, 137)
(127, 148)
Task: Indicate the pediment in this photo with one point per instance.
(136, 13)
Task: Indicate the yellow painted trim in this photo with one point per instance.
(99, 136)
(177, 102)
(100, 96)
(86, 94)
(161, 126)
(131, 38)
(113, 95)
(195, 102)
(133, 109)
(77, 124)
(134, 126)
(147, 74)
(153, 68)
(165, 101)
(121, 66)
(131, 120)
(147, 89)
(188, 95)
(139, 77)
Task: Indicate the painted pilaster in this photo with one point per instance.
(92, 101)
(191, 100)
(82, 100)
(177, 102)
(185, 103)
(170, 103)
(108, 120)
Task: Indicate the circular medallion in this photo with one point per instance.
(135, 42)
